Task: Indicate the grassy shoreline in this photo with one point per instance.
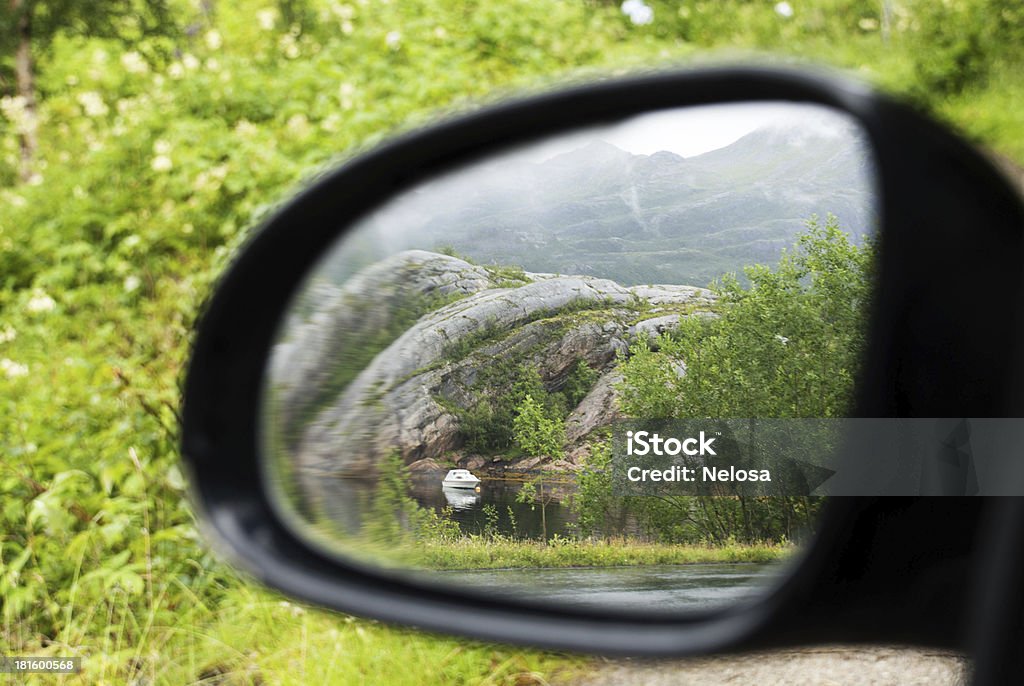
(471, 553)
(476, 552)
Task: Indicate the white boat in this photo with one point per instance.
(460, 478)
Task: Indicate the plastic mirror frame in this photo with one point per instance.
(859, 578)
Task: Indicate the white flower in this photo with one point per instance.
(161, 147)
(40, 302)
(784, 9)
(868, 24)
(161, 163)
(92, 103)
(190, 62)
(133, 63)
(393, 40)
(244, 127)
(213, 39)
(176, 71)
(298, 125)
(13, 107)
(343, 11)
(35, 179)
(132, 283)
(331, 123)
(781, 339)
(347, 28)
(12, 369)
(7, 334)
(267, 19)
(639, 13)
(345, 93)
(288, 46)
(440, 33)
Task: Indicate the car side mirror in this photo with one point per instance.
(488, 299)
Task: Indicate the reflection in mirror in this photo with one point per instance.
(442, 392)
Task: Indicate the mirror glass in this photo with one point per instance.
(443, 393)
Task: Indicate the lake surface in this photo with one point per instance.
(349, 503)
(496, 505)
(649, 588)
(646, 588)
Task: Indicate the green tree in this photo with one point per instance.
(536, 432)
(534, 493)
(786, 345)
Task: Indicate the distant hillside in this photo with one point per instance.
(604, 212)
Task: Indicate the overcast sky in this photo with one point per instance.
(690, 131)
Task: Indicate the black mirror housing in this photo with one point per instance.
(880, 569)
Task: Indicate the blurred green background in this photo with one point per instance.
(139, 141)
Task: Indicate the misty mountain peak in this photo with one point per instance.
(595, 152)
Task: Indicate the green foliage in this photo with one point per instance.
(537, 433)
(487, 425)
(597, 510)
(786, 346)
(395, 518)
(959, 43)
(132, 22)
(507, 276)
(579, 382)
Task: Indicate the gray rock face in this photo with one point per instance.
(407, 395)
(427, 465)
(365, 306)
(673, 295)
(652, 328)
(598, 408)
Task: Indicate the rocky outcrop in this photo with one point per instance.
(368, 304)
(408, 396)
(598, 408)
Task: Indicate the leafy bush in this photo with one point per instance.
(537, 433)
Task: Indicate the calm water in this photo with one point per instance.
(348, 502)
(649, 588)
(509, 517)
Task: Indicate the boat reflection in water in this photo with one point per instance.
(461, 498)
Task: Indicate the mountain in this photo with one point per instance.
(604, 212)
